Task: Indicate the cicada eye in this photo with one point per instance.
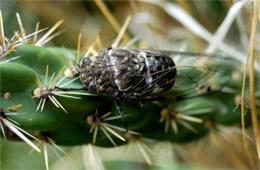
(92, 87)
(86, 60)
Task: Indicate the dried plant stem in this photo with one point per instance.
(252, 73)
(2, 35)
(250, 59)
(111, 19)
(244, 135)
(229, 152)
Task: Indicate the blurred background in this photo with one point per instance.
(155, 25)
(150, 21)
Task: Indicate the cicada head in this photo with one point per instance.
(95, 74)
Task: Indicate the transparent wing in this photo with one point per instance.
(168, 52)
(153, 89)
(196, 81)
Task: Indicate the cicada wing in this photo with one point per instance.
(169, 53)
(155, 88)
(190, 81)
(197, 74)
(194, 81)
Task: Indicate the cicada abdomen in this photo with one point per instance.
(128, 74)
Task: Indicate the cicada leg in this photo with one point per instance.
(120, 110)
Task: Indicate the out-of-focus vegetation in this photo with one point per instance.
(222, 28)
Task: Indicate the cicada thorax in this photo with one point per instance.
(125, 73)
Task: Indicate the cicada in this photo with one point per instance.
(132, 74)
(128, 73)
(137, 74)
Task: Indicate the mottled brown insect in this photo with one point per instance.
(138, 74)
(128, 73)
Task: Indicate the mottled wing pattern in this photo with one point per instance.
(146, 74)
(157, 71)
(181, 80)
(125, 67)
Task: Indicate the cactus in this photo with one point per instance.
(203, 105)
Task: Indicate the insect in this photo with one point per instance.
(130, 74)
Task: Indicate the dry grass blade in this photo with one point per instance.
(184, 18)
(223, 29)
(250, 59)
(227, 151)
(111, 19)
(194, 26)
(251, 56)
(89, 50)
(132, 41)
(2, 35)
(78, 50)
(258, 146)
(121, 32)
